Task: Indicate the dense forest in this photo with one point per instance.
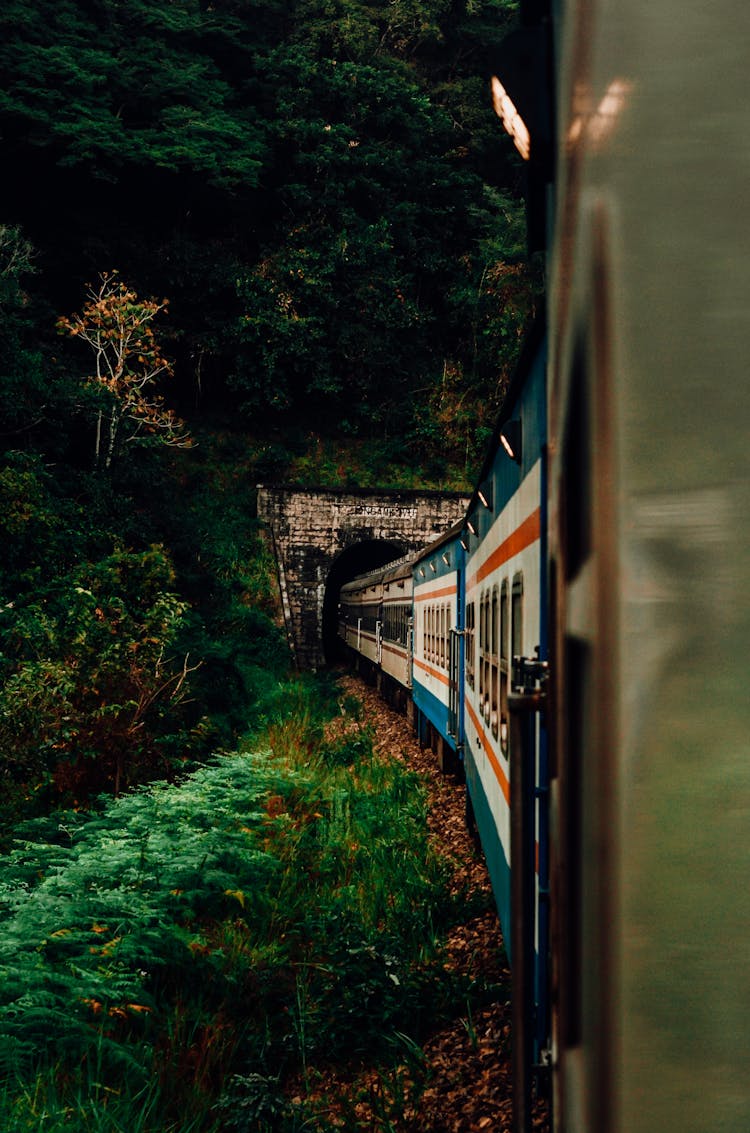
(320, 190)
(239, 240)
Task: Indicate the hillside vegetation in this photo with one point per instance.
(239, 241)
(320, 190)
(196, 957)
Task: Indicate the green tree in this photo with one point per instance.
(97, 678)
(107, 86)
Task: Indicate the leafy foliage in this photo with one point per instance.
(106, 86)
(320, 188)
(83, 708)
(277, 909)
(123, 658)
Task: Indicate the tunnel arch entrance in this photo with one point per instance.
(321, 536)
(356, 559)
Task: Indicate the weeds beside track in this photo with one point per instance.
(212, 955)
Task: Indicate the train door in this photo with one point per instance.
(454, 668)
(409, 651)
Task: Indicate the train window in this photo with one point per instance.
(504, 626)
(482, 652)
(444, 637)
(494, 668)
(448, 620)
(484, 655)
(517, 613)
(469, 643)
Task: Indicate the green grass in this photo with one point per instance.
(172, 961)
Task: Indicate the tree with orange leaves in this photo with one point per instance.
(128, 360)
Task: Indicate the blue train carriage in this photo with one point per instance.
(359, 615)
(437, 667)
(395, 675)
(505, 646)
(375, 621)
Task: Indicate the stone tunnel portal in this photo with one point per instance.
(321, 537)
(357, 559)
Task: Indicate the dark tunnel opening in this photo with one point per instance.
(368, 555)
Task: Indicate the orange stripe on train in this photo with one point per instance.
(524, 535)
(442, 677)
(500, 775)
(444, 593)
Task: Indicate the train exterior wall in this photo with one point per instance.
(438, 623)
(504, 617)
(649, 310)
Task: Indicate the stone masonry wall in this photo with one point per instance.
(312, 528)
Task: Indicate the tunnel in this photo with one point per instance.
(357, 559)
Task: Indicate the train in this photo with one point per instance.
(577, 646)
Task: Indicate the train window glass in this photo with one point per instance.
(443, 637)
(504, 626)
(469, 643)
(517, 615)
(494, 667)
(482, 652)
(484, 667)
